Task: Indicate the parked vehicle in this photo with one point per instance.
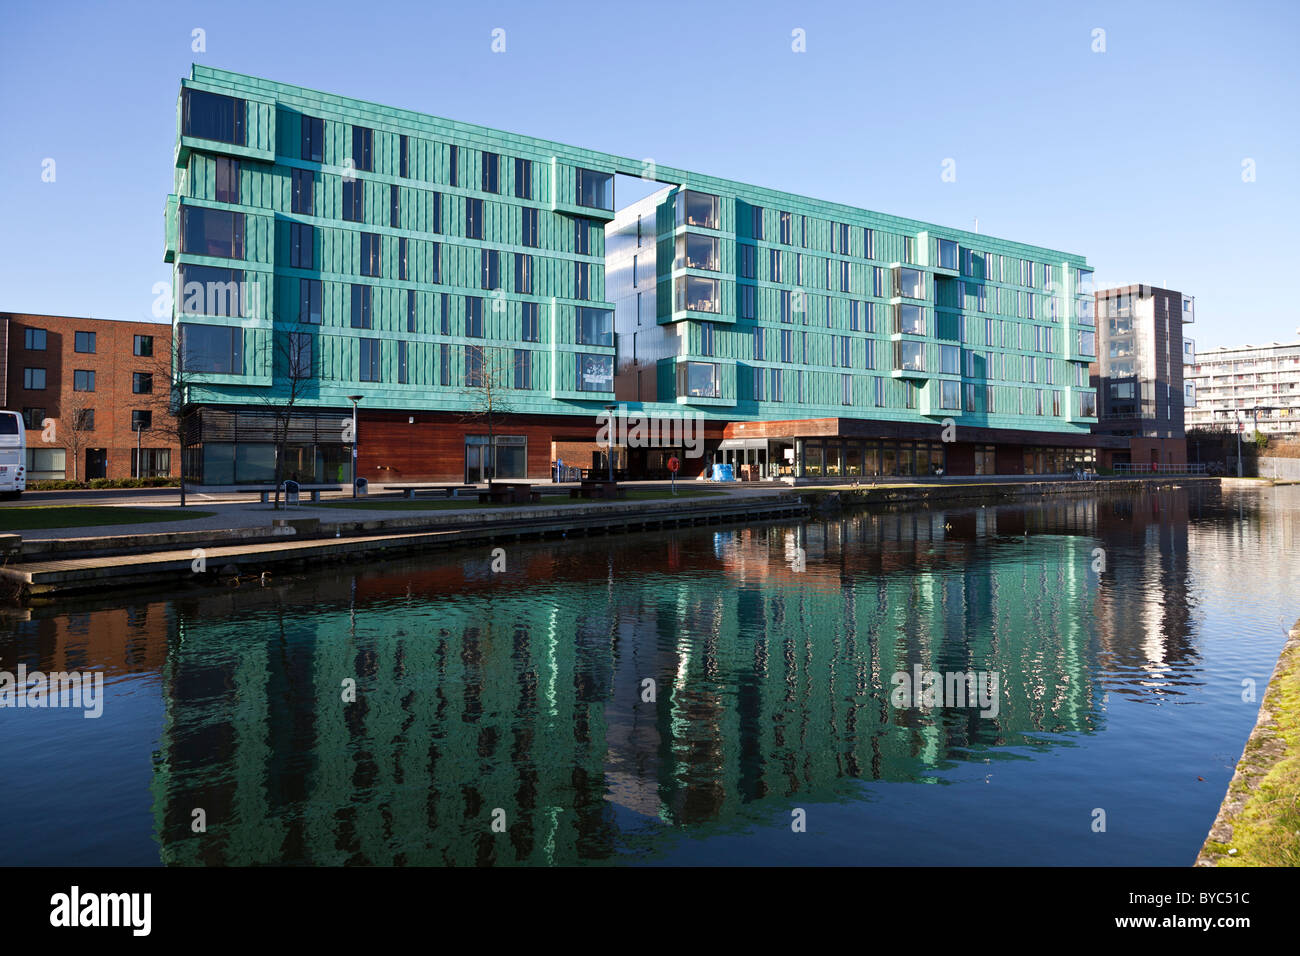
(13, 454)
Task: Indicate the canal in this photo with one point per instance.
(697, 696)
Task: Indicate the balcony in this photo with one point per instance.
(695, 251)
(1189, 351)
(697, 294)
(909, 283)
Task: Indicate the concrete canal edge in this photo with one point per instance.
(1259, 820)
(831, 498)
(47, 568)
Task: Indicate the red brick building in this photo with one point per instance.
(82, 385)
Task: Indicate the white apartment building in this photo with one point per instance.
(1250, 384)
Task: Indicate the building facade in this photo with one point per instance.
(1256, 387)
(462, 282)
(92, 393)
(1138, 374)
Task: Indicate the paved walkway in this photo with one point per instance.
(251, 513)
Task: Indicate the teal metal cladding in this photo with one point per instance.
(460, 239)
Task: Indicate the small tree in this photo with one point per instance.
(488, 374)
(75, 427)
(289, 356)
(169, 397)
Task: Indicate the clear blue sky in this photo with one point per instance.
(1132, 157)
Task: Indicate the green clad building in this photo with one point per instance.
(485, 299)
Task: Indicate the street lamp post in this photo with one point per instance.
(139, 433)
(1238, 412)
(354, 399)
(609, 447)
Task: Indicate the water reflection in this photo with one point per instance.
(770, 650)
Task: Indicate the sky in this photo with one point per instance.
(1166, 149)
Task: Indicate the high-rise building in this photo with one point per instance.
(1138, 374)
(326, 247)
(1256, 387)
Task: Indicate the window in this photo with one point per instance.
(491, 172)
(845, 285)
(84, 342)
(870, 350)
(523, 273)
(313, 139)
(523, 369)
(361, 317)
(595, 190)
(153, 462)
(697, 294)
(435, 262)
(846, 355)
(877, 281)
(947, 254)
(696, 251)
(444, 364)
(444, 314)
(474, 218)
(909, 249)
(1087, 343)
(142, 383)
(909, 283)
(369, 361)
(880, 393)
(1087, 404)
(524, 179)
(394, 207)
(213, 116)
(404, 157)
(33, 418)
(435, 215)
(212, 232)
(909, 356)
(949, 360)
(403, 266)
(760, 378)
(706, 338)
(474, 316)
(453, 166)
(698, 380)
(787, 312)
(401, 363)
(949, 394)
(786, 222)
(697, 209)
(214, 349)
(774, 265)
(582, 280)
(528, 236)
(363, 141)
(759, 345)
(304, 194)
(309, 297)
(302, 243)
(846, 389)
(869, 242)
(746, 295)
(410, 310)
(34, 340)
(787, 349)
(34, 379)
(595, 372)
(370, 248)
(909, 319)
(595, 326)
(530, 331)
(582, 236)
(748, 257)
(143, 345)
(756, 221)
(489, 269)
(354, 200)
(141, 419)
(85, 420)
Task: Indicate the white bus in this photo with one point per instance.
(13, 454)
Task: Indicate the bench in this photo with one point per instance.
(598, 488)
(435, 491)
(510, 493)
(265, 491)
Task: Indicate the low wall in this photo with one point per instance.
(1287, 469)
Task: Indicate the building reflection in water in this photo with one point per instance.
(771, 651)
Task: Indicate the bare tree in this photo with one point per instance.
(289, 356)
(75, 427)
(488, 380)
(170, 380)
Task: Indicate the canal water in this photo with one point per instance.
(697, 696)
